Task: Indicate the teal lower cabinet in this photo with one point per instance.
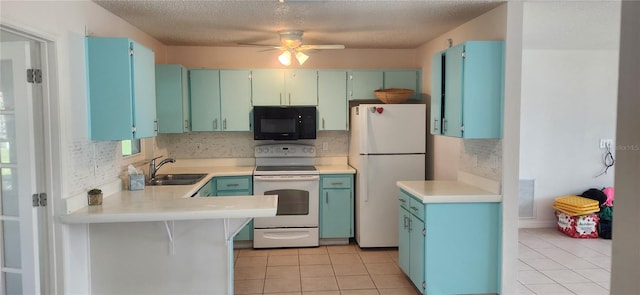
(411, 242)
(206, 190)
(450, 248)
(235, 186)
(336, 206)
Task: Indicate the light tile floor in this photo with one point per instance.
(326, 270)
(550, 263)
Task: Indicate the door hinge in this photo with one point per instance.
(39, 200)
(133, 129)
(131, 52)
(250, 76)
(424, 285)
(462, 128)
(424, 232)
(34, 76)
(464, 54)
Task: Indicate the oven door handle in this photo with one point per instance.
(287, 178)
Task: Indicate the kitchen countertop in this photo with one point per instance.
(173, 202)
(335, 169)
(440, 191)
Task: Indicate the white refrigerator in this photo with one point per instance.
(387, 144)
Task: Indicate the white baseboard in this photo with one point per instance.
(532, 223)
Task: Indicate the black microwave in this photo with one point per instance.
(284, 122)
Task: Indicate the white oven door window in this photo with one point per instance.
(291, 201)
(297, 200)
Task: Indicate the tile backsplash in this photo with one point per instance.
(198, 145)
(482, 157)
(91, 164)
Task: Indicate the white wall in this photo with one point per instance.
(569, 76)
(63, 23)
(625, 264)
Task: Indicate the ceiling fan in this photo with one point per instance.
(291, 45)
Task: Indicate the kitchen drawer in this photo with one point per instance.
(405, 200)
(233, 183)
(417, 208)
(337, 181)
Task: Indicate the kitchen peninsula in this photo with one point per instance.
(161, 241)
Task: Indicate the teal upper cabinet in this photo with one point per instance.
(273, 87)
(204, 86)
(121, 89)
(172, 99)
(220, 100)
(437, 94)
(471, 92)
(235, 100)
(362, 84)
(332, 100)
(408, 79)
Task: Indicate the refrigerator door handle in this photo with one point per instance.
(364, 130)
(365, 180)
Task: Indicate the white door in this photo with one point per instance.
(393, 129)
(20, 159)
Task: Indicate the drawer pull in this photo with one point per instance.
(414, 208)
(402, 200)
(337, 183)
(232, 184)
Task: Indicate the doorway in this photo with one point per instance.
(23, 215)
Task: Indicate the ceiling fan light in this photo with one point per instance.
(301, 57)
(285, 58)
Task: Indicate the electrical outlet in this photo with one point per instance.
(493, 161)
(604, 143)
(325, 146)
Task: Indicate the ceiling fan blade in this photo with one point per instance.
(306, 47)
(270, 49)
(259, 45)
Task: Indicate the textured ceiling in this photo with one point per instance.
(356, 24)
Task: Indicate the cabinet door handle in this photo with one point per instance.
(326, 197)
(405, 222)
(410, 223)
(289, 98)
(224, 124)
(281, 98)
(444, 125)
(435, 125)
(322, 123)
(215, 124)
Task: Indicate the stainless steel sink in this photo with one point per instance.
(177, 179)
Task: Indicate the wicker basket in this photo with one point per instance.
(393, 95)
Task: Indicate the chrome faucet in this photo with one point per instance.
(153, 168)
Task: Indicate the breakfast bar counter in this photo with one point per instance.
(165, 239)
